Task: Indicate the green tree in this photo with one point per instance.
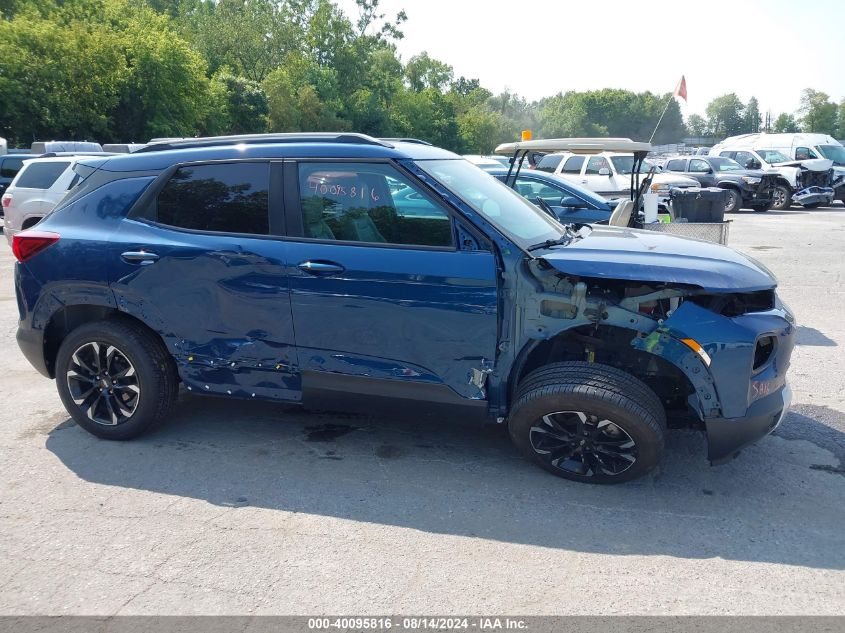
(238, 106)
(697, 125)
(785, 123)
(817, 112)
(725, 115)
(841, 134)
(753, 119)
(249, 37)
(423, 71)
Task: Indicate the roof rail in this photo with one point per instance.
(405, 140)
(258, 139)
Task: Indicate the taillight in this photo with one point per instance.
(7, 200)
(27, 244)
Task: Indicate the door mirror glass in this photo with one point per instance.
(604, 171)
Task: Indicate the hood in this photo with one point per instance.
(639, 255)
(813, 164)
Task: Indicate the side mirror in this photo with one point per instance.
(572, 202)
(604, 171)
(752, 164)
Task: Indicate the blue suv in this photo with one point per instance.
(341, 271)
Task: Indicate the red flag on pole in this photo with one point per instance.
(681, 90)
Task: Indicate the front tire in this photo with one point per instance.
(733, 201)
(588, 422)
(115, 379)
(782, 198)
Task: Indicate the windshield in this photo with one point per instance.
(773, 156)
(625, 165)
(725, 164)
(517, 218)
(836, 153)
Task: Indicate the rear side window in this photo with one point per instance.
(549, 163)
(573, 165)
(41, 175)
(10, 167)
(676, 165)
(224, 198)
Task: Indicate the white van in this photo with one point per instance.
(803, 150)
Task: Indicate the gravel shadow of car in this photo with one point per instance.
(781, 501)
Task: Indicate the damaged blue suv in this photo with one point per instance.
(341, 271)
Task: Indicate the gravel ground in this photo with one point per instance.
(250, 508)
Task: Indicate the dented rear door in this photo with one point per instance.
(200, 264)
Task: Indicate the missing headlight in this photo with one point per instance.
(763, 351)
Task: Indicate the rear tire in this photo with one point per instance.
(588, 422)
(116, 379)
(782, 198)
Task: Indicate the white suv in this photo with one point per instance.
(608, 173)
(36, 190)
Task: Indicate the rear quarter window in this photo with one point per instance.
(40, 175)
(10, 166)
(222, 198)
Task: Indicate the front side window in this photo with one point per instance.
(698, 166)
(596, 163)
(223, 198)
(773, 156)
(746, 159)
(625, 165)
(676, 165)
(369, 202)
(573, 165)
(41, 175)
(532, 190)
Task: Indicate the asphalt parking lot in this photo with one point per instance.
(249, 508)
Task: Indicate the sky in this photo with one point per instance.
(770, 49)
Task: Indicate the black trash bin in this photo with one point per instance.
(699, 204)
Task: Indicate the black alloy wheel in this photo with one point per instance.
(583, 444)
(103, 383)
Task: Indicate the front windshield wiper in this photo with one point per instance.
(561, 241)
(565, 239)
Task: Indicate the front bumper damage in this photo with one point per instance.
(814, 196)
(727, 436)
(744, 399)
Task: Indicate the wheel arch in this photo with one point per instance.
(69, 317)
(611, 345)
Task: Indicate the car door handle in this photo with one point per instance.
(318, 267)
(139, 257)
